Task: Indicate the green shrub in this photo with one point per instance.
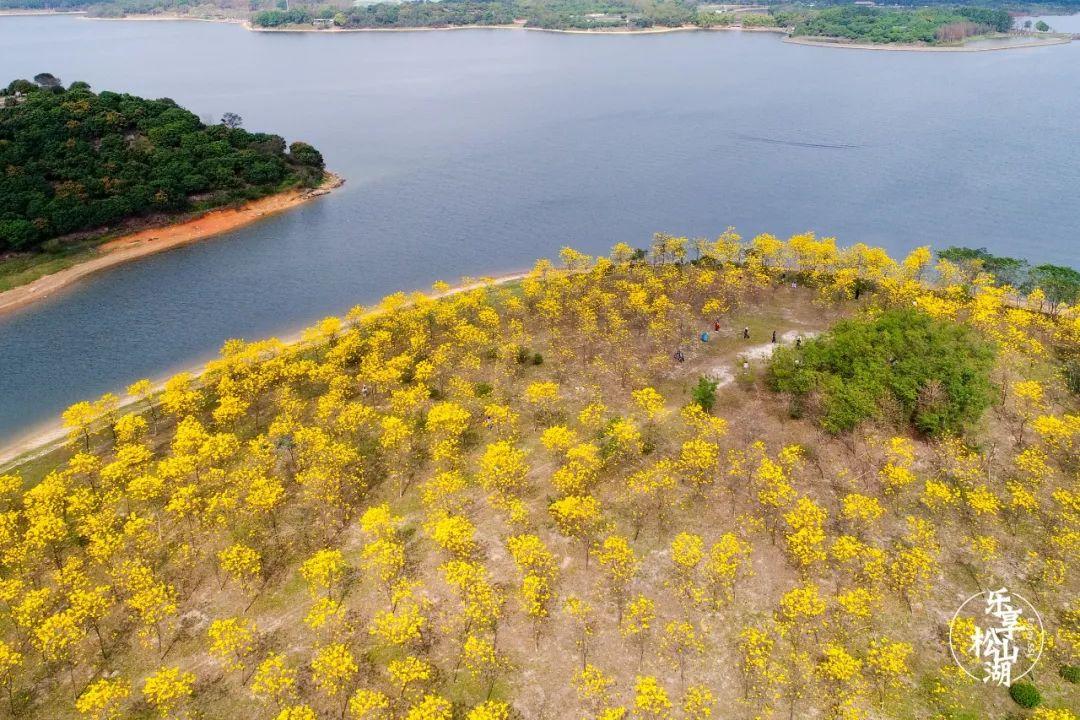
(482, 389)
(1025, 694)
(704, 393)
(537, 359)
(1070, 673)
(902, 364)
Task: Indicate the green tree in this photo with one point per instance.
(901, 365)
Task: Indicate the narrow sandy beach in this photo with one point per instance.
(158, 239)
(515, 26)
(47, 437)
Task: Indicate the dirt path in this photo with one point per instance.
(724, 372)
(159, 239)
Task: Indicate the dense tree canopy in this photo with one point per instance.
(78, 161)
(550, 14)
(904, 363)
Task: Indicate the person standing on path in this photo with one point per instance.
(774, 336)
(746, 333)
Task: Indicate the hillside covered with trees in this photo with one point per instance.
(77, 162)
(594, 491)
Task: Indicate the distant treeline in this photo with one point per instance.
(537, 12)
(115, 7)
(410, 14)
(1019, 6)
(903, 21)
(923, 25)
(553, 14)
(937, 24)
(78, 161)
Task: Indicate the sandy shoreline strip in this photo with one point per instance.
(158, 239)
(520, 26)
(897, 47)
(49, 436)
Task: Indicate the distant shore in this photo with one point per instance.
(158, 239)
(900, 47)
(806, 41)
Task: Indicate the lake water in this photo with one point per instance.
(476, 151)
(1057, 23)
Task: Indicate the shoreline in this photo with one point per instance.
(900, 47)
(804, 41)
(150, 241)
(49, 436)
(33, 13)
(246, 24)
(164, 18)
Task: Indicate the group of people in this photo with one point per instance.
(681, 357)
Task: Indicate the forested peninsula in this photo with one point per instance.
(81, 165)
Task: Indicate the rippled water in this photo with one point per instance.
(476, 151)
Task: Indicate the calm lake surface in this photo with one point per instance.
(1057, 23)
(474, 152)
